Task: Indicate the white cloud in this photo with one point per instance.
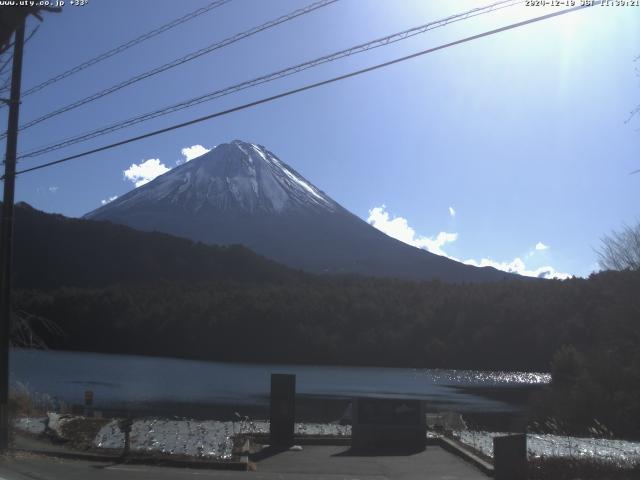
(192, 152)
(452, 211)
(146, 171)
(398, 228)
(518, 266)
(434, 245)
(108, 200)
(53, 189)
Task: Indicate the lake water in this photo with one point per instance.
(136, 382)
(131, 382)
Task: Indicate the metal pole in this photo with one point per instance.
(6, 234)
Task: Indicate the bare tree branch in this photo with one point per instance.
(621, 250)
(23, 330)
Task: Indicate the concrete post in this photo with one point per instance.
(510, 457)
(283, 409)
(125, 427)
(88, 403)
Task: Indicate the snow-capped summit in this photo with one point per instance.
(232, 176)
(241, 193)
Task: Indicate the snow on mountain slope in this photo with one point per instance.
(241, 193)
(235, 176)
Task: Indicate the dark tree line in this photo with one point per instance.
(586, 330)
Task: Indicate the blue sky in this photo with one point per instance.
(512, 148)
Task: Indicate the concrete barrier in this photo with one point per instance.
(388, 424)
(510, 457)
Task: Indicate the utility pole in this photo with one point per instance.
(6, 234)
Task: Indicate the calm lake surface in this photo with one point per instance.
(134, 382)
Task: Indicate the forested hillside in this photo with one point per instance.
(52, 251)
(504, 325)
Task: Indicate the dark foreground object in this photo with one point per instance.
(385, 425)
(282, 413)
(510, 457)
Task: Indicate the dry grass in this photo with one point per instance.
(23, 402)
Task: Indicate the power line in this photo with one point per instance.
(126, 46)
(308, 87)
(10, 59)
(179, 61)
(271, 77)
(6, 62)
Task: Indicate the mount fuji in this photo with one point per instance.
(241, 193)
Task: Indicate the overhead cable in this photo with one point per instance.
(307, 87)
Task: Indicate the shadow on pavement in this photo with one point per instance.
(350, 452)
(267, 453)
(113, 463)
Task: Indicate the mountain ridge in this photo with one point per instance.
(53, 251)
(242, 193)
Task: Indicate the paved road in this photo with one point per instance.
(337, 462)
(40, 468)
(314, 462)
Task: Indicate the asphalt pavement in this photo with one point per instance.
(313, 462)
